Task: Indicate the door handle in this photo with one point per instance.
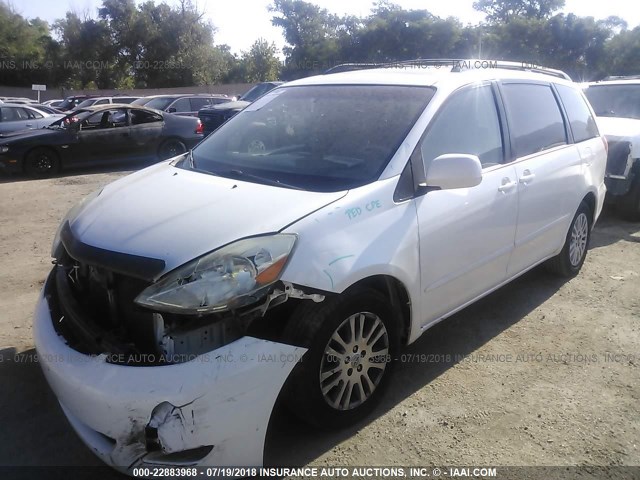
(507, 184)
(526, 177)
(29, 125)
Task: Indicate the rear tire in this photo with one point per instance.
(351, 341)
(171, 148)
(569, 261)
(41, 162)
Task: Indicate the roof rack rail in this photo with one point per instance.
(456, 64)
(621, 77)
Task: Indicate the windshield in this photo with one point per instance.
(257, 91)
(87, 103)
(615, 100)
(141, 101)
(69, 103)
(72, 118)
(318, 138)
(159, 103)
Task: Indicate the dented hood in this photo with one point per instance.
(177, 215)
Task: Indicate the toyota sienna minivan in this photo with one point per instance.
(294, 251)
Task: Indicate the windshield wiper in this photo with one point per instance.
(267, 181)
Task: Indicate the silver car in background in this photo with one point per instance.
(15, 117)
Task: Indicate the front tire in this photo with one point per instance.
(41, 162)
(570, 260)
(351, 341)
(629, 204)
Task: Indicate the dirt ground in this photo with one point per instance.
(542, 372)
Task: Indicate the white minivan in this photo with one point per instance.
(295, 250)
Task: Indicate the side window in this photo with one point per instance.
(116, 117)
(535, 120)
(11, 114)
(101, 102)
(467, 123)
(583, 125)
(182, 105)
(139, 117)
(32, 114)
(198, 102)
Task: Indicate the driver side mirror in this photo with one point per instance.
(454, 170)
(172, 110)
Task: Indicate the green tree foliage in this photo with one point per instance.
(312, 35)
(259, 64)
(622, 53)
(507, 10)
(147, 44)
(25, 47)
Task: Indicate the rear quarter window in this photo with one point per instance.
(583, 125)
(535, 121)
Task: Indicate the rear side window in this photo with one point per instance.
(182, 105)
(535, 120)
(198, 102)
(583, 125)
(31, 114)
(139, 117)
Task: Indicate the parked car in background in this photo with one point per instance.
(616, 101)
(18, 100)
(187, 298)
(104, 101)
(15, 117)
(53, 103)
(73, 101)
(182, 104)
(47, 109)
(99, 135)
(215, 115)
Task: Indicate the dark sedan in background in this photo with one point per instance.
(182, 104)
(213, 116)
(97, 136)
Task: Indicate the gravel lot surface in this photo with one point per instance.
(542, 372)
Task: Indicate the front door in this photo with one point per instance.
(467, 234)
(103, 137)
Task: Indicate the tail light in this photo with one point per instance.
(606, 144)
(200, 127)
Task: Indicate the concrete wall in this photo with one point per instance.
(53, 93)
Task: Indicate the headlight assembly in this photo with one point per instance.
(233, 276)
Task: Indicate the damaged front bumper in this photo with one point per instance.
(211, 411)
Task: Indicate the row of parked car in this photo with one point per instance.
(83, 130)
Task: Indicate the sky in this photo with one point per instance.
(240, 22)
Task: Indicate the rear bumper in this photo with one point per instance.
(211, 411)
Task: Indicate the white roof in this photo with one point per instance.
(424, 76)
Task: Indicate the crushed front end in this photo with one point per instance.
(143, 387)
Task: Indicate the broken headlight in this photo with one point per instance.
(231, 277)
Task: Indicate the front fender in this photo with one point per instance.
(361, 235)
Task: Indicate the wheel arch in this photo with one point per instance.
(23, 160)
(590, 200)
(170, 138)
(397, 294)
